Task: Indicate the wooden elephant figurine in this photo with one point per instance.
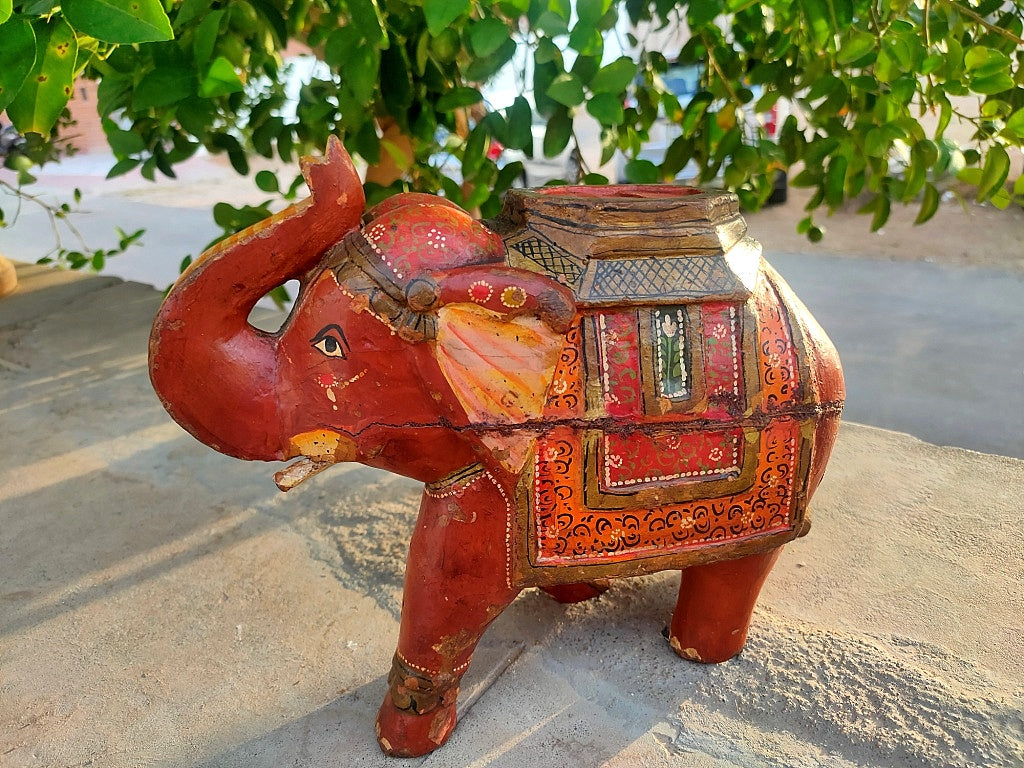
(601, 382)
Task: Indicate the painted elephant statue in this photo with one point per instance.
(601, 382)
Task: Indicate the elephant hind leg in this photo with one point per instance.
(710, 622)
(578, 592)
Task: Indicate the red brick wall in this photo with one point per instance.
(86, 135)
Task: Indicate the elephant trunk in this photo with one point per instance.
(215, 374)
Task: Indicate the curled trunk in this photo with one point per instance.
(214, 373)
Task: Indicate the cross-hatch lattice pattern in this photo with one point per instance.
(552, 260)
(661, 278)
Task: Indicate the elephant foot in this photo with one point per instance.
(709, 624)
(407, 734)
(418, 713)
(577, 593)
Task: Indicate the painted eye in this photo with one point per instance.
(331, 341)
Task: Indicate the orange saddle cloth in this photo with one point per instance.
(687, 439)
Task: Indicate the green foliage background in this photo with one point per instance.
(868, 76)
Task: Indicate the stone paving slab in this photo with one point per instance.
(164, 605)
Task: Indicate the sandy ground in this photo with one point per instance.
(962, 233)
(163, 605)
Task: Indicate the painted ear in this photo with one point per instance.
(500, 332)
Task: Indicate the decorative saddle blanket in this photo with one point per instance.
(688, 439)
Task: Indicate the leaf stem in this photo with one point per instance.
(977, 17)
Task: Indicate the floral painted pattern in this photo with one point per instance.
(671, 352)
(618, 340)
(565, 396)
(567, 532)
(636, 459)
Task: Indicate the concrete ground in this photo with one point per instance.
(163, 605)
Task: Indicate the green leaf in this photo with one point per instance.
(991, 84)
(981, 61)
(547, 51)
(17, 57)
(552, 24)
(677, 156)
(190, 10)
(642, 172)
(396, 71)
(458, 97)
(590, 11)
(47, 88)
(221, 79)
(929, 204)
(607, 108)
(487, 35)
(6, 9)
(368, 19)
(473, 152)
(205, 38)
(817, 14)
(1015, 125)
(566, 89)
(163, 87)
(518, 132)
(122, 167)
(236, 155)
(882, 207)
(558, 133)
(119, 21)
(699, 14)
(357, 63)
(507, 176)
(586, 40)
(123, 143)
(613, 78)
(441, 13)
(994, 172)
(1001, 199)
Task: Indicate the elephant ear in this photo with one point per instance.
(500, 332)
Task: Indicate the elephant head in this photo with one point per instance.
(410, 343)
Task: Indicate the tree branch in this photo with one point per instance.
(983, 21)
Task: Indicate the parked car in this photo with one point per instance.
(684, 81)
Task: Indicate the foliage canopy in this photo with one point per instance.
(871, 80)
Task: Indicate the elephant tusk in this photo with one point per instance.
(299, 472)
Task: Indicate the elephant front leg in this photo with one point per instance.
(712, 614)
(457, 581)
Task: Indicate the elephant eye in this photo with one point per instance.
(332, 342)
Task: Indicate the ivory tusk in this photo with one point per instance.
(299, 472)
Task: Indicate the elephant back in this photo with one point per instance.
(684, 406)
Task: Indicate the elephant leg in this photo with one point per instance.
(578, 592)
(458, 580)
(712, 614)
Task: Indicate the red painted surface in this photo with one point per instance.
(417, 345)
(712, 614)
